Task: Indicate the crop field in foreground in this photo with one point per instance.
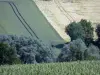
(70, 68)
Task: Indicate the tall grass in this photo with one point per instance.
(71, 68)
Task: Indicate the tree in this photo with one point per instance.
(45, 53)
(88, 29)
(98, 30)
(29, 50)
(82, 30)
(75, 31)
(73, 51)
(97, 42)
(93, 52)
(8, 55)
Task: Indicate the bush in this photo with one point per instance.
(8, 55)
(29, 50)
(98, 30)
(45, 54)
(97, 42)
(75, 30)
(88, 29)
(82, 30)
(77, 50)
(73, 51)
(93, 53)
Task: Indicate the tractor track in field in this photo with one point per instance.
(39, 45)
(10, 3)
(60, 7)
(25, 21)
(21, 19)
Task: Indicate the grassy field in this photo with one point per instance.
(71, 68)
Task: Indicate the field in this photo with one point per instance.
(71, 68)
(61, 12)
(22, 17)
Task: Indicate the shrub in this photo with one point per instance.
(73, 51)
(93, 52)
(88, 29)
(98, 30)
(97, 42)
(29, 50)
(77, 50)
(82, 30)
(45, 54)
(8, 55)
(75, 30)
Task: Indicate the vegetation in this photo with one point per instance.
(28, 50)
(82, 46)
(77, 50)
(71, 68)
(97, 42)
(8, 55)
(98, 30)
(93, 53)
(75, 30)
(73, 51)
(82, 30)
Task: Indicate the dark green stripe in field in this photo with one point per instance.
(22, 17)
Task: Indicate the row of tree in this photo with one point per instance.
(14, 49)
(82, 45)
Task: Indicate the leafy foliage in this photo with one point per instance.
(73, 51)
(29, 50)
(82, 30)
(88, 29)
(8, 55)
(97, 42)
(77, 50)
(98, 30)
(75, 30)
(93, 52)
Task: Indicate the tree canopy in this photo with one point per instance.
(82, 30)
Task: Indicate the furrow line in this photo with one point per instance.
(25, 21)
(19, 19)
(69, 17)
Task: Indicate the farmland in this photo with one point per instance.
(61, 12)
(69, 68)
(22, 17)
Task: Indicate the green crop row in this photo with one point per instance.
(69, 68)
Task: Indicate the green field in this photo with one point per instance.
(25, 19)
(71, 68)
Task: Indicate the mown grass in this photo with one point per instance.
(71, 68)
